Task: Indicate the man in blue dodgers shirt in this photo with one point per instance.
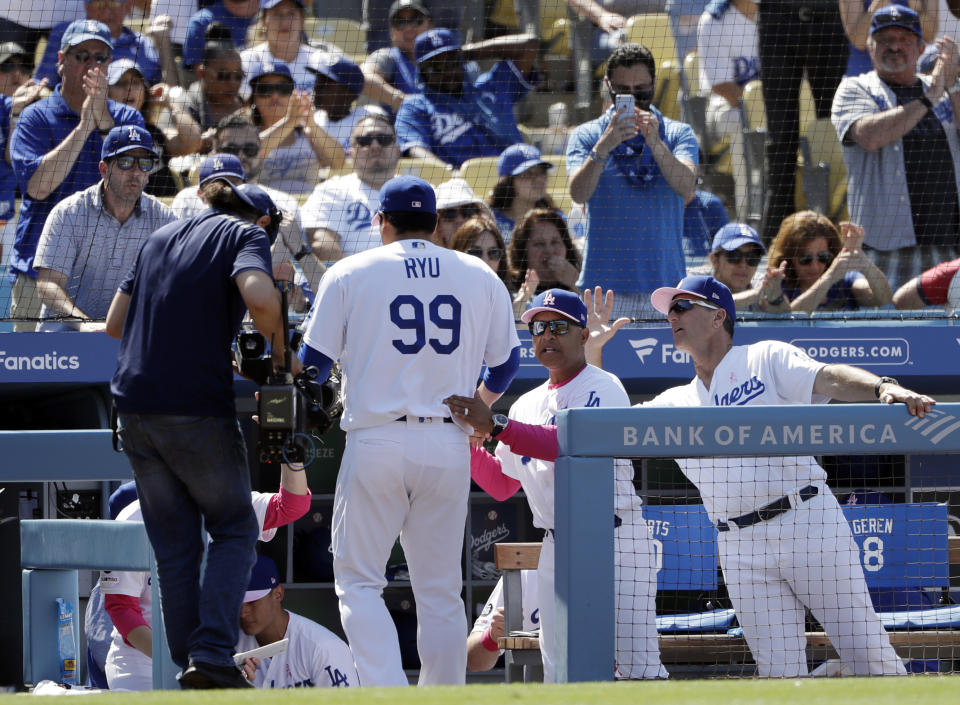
(55, 148)
(635, 174)
(456, 117)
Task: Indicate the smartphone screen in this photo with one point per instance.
(625, 101)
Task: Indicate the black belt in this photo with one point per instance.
(769, 511)
(446, 419)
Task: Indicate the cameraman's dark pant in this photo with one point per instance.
(191, 475)
(795, 36)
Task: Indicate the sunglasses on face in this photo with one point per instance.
(492, 253)
(681, 306)
(265, 90)
(250, 149)
(126, 162)
(538, 328)
(464, 212)
(401, 22)
(381, 138)
(736, 257)
(225, 75)
(82, 57)
(822, 257)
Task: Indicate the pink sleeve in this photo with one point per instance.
(485, 471)
(285, 507)
(532, 440)
(125, 612)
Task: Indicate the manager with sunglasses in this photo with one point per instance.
(92, 238)
(783, 540)
(56, 149)
(338, 216)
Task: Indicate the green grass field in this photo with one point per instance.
(925, 690)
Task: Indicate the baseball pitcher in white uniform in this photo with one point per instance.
(315, 657)
(558, 326)
(411, 323)
(783, 540)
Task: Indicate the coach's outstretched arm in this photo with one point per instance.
(848, 383)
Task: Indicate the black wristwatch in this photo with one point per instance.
(880, 382)
(499, 423)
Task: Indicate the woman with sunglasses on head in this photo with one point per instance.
(522, 186)
(216, 92)
(541, 242)
(293, 146)
(735, 257)
(826, 268)
(174, 132)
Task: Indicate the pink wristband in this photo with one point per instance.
(488, 643)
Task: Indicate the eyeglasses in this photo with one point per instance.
(736, 257)
(82, 57)
(225, 75)
(681, 306)
(249, 149)
(464, 212)
(11, 66)
(265, 90)
(401, 22)
(492, 253)
(381, 138)
(822, 257)
(126, 162)
(642, 94)
(557, 327)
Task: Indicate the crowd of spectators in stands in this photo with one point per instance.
(325, 129)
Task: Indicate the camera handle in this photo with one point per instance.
(285, 286)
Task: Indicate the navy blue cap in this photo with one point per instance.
(895, 16)
(517, 158)
(218, 166)
(270, 68)
(703, 287)
(561, 301)
(263, 578)
(434, 42)
(408, 194)
(338, 68)
(80, 31)
(124, 138)
(117, 68)
(734, 235)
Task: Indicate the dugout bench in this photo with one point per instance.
(710, 638)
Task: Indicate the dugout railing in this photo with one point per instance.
(589, 440)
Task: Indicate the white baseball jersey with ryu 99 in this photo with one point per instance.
(637, 650)
(803, 557)
(411, 323)
(315, 658)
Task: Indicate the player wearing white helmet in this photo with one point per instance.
(525, 455)
(314, 656)
(410, 323)
(783, 540)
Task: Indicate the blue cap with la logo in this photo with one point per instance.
(124, 138)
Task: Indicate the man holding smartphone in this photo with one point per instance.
(632, 160)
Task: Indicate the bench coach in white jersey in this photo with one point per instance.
(411, 323)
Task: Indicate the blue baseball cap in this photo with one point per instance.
(117, 68)
(217, 166)
(561, 301)
(337, 68)
(734, 235)
(80, 31)
(263, 578)
(703, 287)
(435, 42)
(408, 194)
(124, 138)
(260, 201)
(270, 68)
(517, 158)
(121, 497)
(895, 16)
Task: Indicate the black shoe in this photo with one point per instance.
(200, 675)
